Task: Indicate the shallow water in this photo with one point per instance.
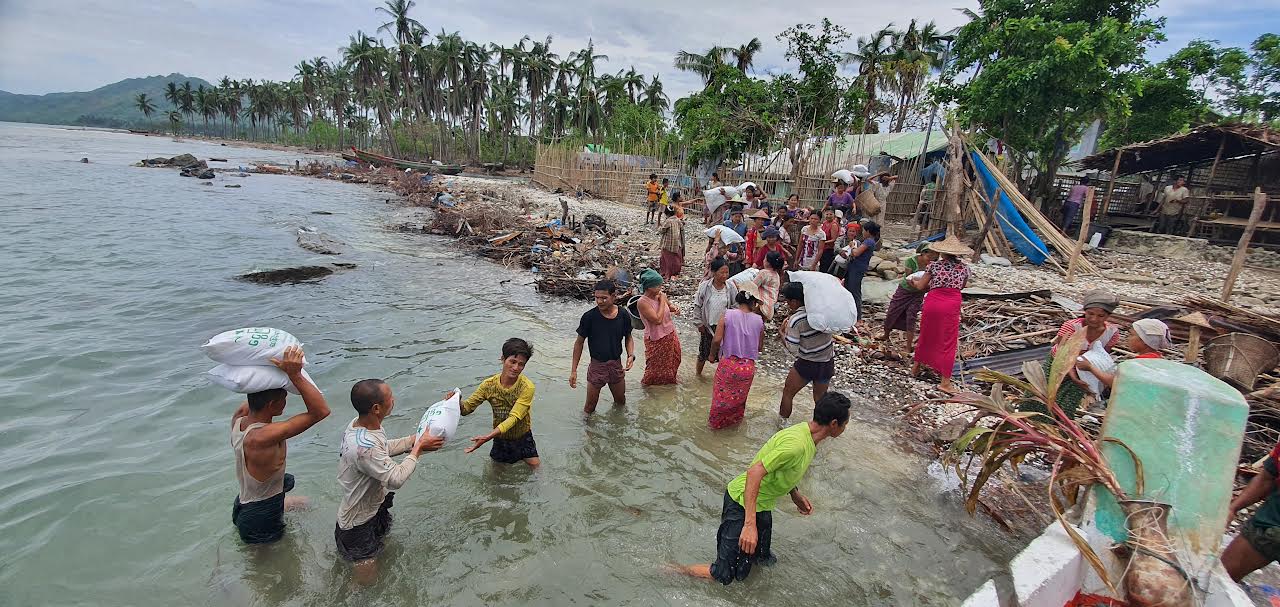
(116, 476)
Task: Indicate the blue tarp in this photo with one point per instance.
(1011, 222)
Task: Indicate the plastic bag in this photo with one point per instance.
(442, 418)
(249, 346)
(1102, 361)
(727, 235)
(830, 306)
(843, 175)
(247, 379)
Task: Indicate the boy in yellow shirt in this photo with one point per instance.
(510, 395)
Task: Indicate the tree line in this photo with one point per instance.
(1033, 75)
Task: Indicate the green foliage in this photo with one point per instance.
(115, 103)
(1044, 70)
(725, 120)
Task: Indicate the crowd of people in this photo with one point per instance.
(1167, 204)
(746, 283)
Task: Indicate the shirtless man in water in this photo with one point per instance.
(258, 442)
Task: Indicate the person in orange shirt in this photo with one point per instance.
(652, 190)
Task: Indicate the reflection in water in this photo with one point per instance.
(116, 275)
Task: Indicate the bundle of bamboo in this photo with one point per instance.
(1047, 230)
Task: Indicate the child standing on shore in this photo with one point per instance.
(652, 191)
(510, 395)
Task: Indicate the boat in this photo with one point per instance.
(350, 157)
(425, 167)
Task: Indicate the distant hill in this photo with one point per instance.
(111, 105)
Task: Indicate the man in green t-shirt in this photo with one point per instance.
(746, 519)
(1259, 541)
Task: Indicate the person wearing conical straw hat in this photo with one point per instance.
(940, 314)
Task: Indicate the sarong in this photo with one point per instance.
(939, 330)
(669, 264)
(661, 360)
(729, 396)
(903, 310)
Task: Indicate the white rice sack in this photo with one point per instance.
(742, 187)
(250, 346)
(442, 418)
(830, 306)
(727, 235)
(247, 379)
(745, 276)
(843, 175)
(1102, 361)
(914, 276)
(714, 198)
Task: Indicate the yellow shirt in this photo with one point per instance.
(512, 407)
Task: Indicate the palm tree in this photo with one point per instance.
(703, 65)
(539, 69)
(654, 98)
(745, 55)
(144, 105)
(368, 61)
(172, 94)
(917, 52)
(633, 81)
(872, 56)
(187, 102)
(175, 122)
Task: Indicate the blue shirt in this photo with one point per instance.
(861, 262)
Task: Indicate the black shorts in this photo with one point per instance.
(364, 541)
(704, 344)
(731, 564)
(261, 522)
(818, 373)
(512, 451)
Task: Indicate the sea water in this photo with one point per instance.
(117, 476)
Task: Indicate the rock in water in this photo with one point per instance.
(318, 242)
(184, 161)
(287, 275)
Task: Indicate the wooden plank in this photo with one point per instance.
(1242, 250)
(1084, 231)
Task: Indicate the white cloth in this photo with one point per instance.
(709, 304)
(367, 473)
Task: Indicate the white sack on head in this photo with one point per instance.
(830, 306)
(727, 234)
(247, 379)
(742, 187)
(248, 346)
(714, 198)
(843, 175)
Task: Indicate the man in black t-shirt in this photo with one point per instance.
(605, 329)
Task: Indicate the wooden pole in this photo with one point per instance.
(986, 226)
(1111, 185)
(1193, 346)
(1084, 230)
(1208, 193)
(1242, 251)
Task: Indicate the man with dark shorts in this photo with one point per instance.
(369, 476)
(605, 328)
(258, 442)
(814, 350)
(745, 536)
(1259, 541)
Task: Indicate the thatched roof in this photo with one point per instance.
(1197, 145)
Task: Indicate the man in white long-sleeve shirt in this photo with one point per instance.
(369, 476)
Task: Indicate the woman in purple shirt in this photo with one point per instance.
(840, 200)
(737, 343)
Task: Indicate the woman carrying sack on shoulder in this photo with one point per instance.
(940, 315)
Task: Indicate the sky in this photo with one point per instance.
(77, 45)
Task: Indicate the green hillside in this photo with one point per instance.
(111, 105)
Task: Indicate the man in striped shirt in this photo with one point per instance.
(814, 351)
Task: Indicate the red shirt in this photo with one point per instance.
(1149, 355)
(764, 251)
